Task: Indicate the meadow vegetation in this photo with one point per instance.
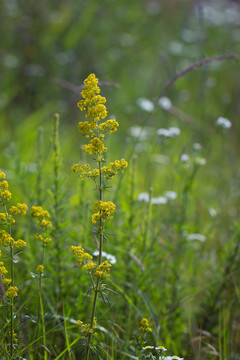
(144, 264)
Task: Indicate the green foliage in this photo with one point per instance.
(177, 259)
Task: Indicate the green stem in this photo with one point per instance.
(56, 176)
(96, 288)
(40, 314)
(39, 165)
(139, 355)
(11, 306)
(43, 321)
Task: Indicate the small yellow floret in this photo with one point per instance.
(5, 238)
(19, 243)
(12, 291)
(103, 270)
(2, 175)
(90, 266)
(6, 281)
(95, 147)
(40, 269)
(103, 210)
(80, 254)
(3, 270)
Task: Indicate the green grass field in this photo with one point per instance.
(170, 73)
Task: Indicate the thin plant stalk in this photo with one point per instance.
(39, 165)
(96, 288)
(56, 191)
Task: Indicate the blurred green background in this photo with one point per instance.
(49, 48)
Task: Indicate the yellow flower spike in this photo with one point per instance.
(12, 291)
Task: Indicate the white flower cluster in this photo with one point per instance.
(172, 132)
(168, 196)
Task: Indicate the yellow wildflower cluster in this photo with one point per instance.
(40, 269)
(90, 266)
(6, 218)
(42, 239)
(103, 210)
(5, 194)
(144, 326)
(80, 254)
(6, 239)
(95, 147)
(6, 281)
(12, 291)
(40, 214)
(20, 209)
(86, 328)
(2, 175)
(110, 126)
(103, 270)
(83, 258)
(113, 168)
(3, 270)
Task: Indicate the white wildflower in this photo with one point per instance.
(170, 195)
(165, 103)
(200, 161)
(172, 132)
(143, 197)
(184, 158)
(212, 212)
(140, 132)
(195, 236)
(197, 147)
(145, 104)
(224, 123)
(159, 200)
